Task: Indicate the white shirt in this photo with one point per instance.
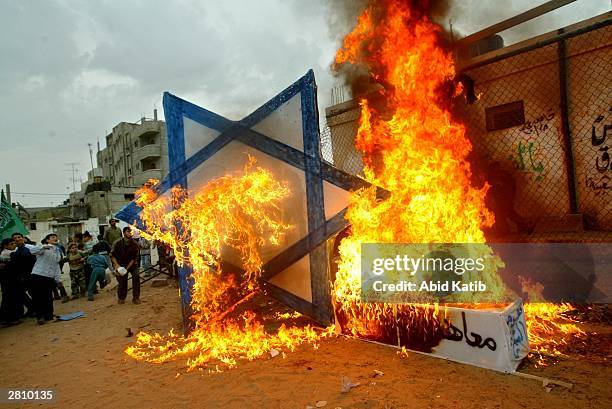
(47, 262)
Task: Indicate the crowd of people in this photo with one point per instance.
(31, 273)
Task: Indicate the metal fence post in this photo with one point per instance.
(565, 128)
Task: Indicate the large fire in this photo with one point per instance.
(238, 213)
(411, 146)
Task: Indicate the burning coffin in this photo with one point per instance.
(489, 338)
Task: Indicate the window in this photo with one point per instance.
(135, 144)
(32, 226)
(128, 196)
(138, 166)
(505, 116)
(102, 194)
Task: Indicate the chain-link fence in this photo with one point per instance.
(338, 137)
(540, 123)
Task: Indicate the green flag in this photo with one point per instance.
(9, 221)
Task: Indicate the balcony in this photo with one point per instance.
(140, 178)
(147, 152)
(147, 127)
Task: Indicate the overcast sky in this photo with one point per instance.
(71, 70)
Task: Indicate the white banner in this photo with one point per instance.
(493, 339)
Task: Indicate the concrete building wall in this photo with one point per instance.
(590, 99)
(536, 151)
(532, 151)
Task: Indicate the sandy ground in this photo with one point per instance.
(83, 360)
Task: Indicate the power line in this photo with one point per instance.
(40, 194)
(73, 169)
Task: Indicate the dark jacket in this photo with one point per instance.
(22, 262)
(125, 252)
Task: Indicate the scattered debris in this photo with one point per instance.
(71, 316)
(347, 385)
(129, 332)
(545, 381)
(376, 373)
(274, 352)
(321, 403)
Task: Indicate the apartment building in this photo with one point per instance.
(135, 153)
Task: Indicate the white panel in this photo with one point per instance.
(285, 124)
(335, 199)
(197, 136)
(296, 279)
(503, 339)
(231, 159)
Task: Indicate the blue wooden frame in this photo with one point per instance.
(310, 161)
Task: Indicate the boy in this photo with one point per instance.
(98, 263)
(76, 261)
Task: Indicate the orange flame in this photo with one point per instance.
(412, 147)
(238, 213)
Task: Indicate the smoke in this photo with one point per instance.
(342, 16)
(342, 19)
(467, 16)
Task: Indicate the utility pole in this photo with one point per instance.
(8, 194)
(91, 154)
(73, 169)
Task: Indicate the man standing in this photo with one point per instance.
(46, 275)
(23, 261)
(125, 254)
(112, 234)
(145, 254)
(11, 308)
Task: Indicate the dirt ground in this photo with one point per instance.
(83, 360)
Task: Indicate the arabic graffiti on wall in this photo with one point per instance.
(526, 154)
(526, 159)
(538, 125)
(600, 183)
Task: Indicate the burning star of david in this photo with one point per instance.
(304, 155)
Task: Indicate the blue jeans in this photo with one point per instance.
(145, 261)
(98, 275)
